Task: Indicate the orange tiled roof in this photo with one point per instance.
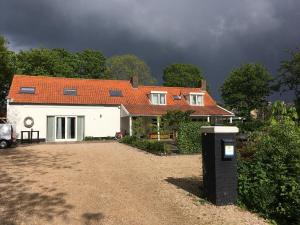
(49, 90)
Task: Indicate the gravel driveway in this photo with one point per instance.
(105, 183)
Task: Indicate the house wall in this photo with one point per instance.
(95, 125)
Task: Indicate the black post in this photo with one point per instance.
(219, 164)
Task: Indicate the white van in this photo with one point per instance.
(7, 135)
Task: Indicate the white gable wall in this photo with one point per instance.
(100, 121)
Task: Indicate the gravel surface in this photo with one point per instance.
(105, 183)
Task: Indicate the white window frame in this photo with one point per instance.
(159, 93)
(196, 94)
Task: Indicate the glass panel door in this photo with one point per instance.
(60, 127)
(65, 128)
(71, 127)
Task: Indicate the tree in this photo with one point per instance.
(173, 118)
(91, 63)
(182, 75)
(246, 88)
(60, 62)
(125, 66)
(290, 76)
(280, 112)
(6, 71)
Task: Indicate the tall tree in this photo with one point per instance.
(246, 88)
(182, 75)
(60, 62)
(91, 63)
(6, 71)
(290, 76)
(123, 67)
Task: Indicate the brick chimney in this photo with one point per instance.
(203, 85)
(134, 81)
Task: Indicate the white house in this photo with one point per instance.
(69, 109)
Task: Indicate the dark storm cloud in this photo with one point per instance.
(216, 35)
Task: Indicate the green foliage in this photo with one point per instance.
(269, 181)
(189, 137)
(138, 127)
(182, 75)
(280, 112)
(151, 146)
(246, 88)
(172, 119)
(290, 76)
(250, 125)
(6, 71)
(60, 62)
(123, 67)
(91, 138)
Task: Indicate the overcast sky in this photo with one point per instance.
(216, 35)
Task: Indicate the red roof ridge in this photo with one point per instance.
(69, 78)
(175, 87)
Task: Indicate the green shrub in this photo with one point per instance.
(269, 181)
(91, 138)
(128, 139)
(147, 145)
(250, 126)
(189, 137)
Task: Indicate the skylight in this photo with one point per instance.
(115, 93)
(70, 91)
(27, 90)
(176, 97)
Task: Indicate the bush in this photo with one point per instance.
(91, 138)
(269, 181)
(250, 126)
(189, 137)
(147, 145)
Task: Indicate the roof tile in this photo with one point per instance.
(49, 90)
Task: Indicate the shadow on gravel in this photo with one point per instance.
(92, 218)
(193, 185)
(19, 201)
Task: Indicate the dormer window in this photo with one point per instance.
(158, 98)
(70, 91)
(27, 90)
(196, 99)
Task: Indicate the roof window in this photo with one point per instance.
(115, 93)
(27, 90)
(70, 91)
(176, 97)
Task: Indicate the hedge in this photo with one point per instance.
(189, 137)
(269, 181)
(151, 146)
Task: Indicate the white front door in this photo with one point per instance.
(65, 128)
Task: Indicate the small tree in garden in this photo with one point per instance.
(172, 119)
(138, 129)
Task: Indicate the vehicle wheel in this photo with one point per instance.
(3, 144)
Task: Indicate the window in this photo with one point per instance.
(176, 97)
(70, 91)
(27, 90)
(196, 99)
(115, 93)
(158, 98)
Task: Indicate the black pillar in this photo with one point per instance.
(219, 164)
